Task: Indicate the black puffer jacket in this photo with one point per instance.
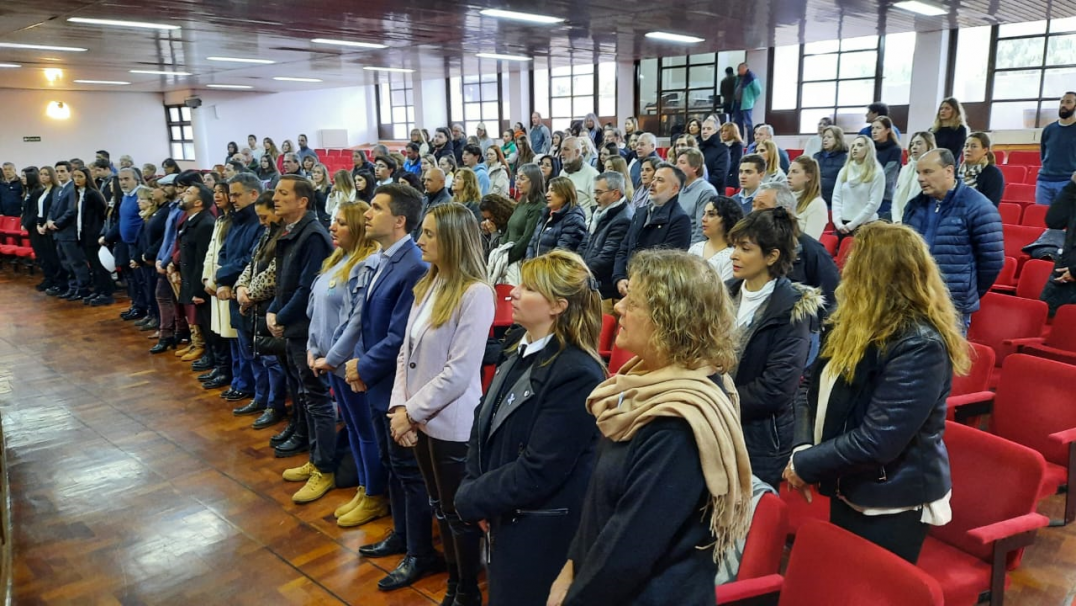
(716, 154)
(565, 229)
(769, 373)
(882, 439)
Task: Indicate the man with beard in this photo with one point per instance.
(716, 154)
(579, 172)
(442, 144)
(1058, 150)
(459, 140)
(539, 135)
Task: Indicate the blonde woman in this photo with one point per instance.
(437, 386)
(804, 179)
(466, 191)
(908, 179)
(335, 310)
(497, 168)
(730, 136)
(768, 151)
(287, 147)
(270, 149)
(343, 192)
(860, 187)
(669, 418)
(875, 407)
(950, 127)
(548, 375)
(618, 165)
(220, 322)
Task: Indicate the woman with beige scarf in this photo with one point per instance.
(671, 488)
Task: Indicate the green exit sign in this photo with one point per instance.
(31, 139)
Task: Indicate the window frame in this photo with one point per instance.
(547, 110)
(493, 133)
(385, 130)
(182, 124)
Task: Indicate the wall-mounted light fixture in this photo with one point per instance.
(52, 74)
(58, 110)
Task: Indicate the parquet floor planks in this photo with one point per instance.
(131, 485)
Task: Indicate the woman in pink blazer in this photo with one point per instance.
(438, 384)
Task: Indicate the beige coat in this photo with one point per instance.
(221, 322)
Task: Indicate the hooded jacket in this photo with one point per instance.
(716, 154)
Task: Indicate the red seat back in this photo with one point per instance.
(730, 191)
(1035, 216)
(617, 358)
(1017, 237)
(1013, 174)
(1032, 177)
(1063, 333)
(844, 251)
(978, 378)
(607, 336)
(793, 154)
(1034, 400)
(502, 313)
(1033, 277)
(1025, 158)
(1010, 213)
(1002, 317)
(1007, 277)
(765, 545)
(1018, 192)
(999, 156)
(994, 480)
(830, 242)
(830, 565)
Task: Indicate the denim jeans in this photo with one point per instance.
(1046, 191)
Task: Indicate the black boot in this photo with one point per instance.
(163, 345)
(298, 443)
(284, 436)
(471, 596)
(453, 587)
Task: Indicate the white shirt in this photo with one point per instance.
(41, 202)
(422, 320)
(533, 348)
(583, 179)
(751, 301)
(720, 260)
(78, 211)
(386, 255)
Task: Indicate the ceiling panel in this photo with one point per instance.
(435, 38)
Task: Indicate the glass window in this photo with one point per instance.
(897, 71)
(1021, 52)
(541, 92)
(1033, 69)
(786, 72)
(1013, 115)
(858, 65)
(648, 86)
(180, 132)
(824, 47)
(864, 43)
(820, 67)
(575, 91)
(678, 89)
(969, 75)
(818, 94)
(1061, 50)
(1063, 25)
(396, 106)
(1022, 29)
(607, 89)
(476, 99)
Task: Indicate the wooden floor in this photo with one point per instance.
(132, 485)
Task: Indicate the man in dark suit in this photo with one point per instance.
(61, 223)
(393, 215)
(608, 226)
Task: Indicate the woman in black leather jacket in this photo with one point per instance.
(869, 432)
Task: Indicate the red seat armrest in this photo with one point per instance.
(1053, 353)
(749, 588)
(1063, 438)
(970, 398)
(1019, 344)
(991, 533)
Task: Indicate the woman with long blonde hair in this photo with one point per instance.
(547, 374)
(335, 311)
(860, 188)
(466, 190)
(768, 151)
(805, 181)
(437, 386)
(874, 416)
(730, 136)
(618, 165)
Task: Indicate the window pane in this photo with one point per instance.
(411, 114)
(583, 85)
(672, 61)
(399, 98)
(469, 79)
(701, 76)
(1013, 115)
(1057, 82)
(489, 112)
(173, 114)
(188, 151)
(1022, 29)
(399, 115)
(817, 48)
(1022, 52)
(177, 133)
(819, 94)
(809, 119)
(582, 106)
(562, 107)
(864, 43)
(703, 58)
(409, 96)
(489, 91)
(562, 71)
(850, 119)
(472, 111)
(673, 79)
(185, 113)
(562, 87)
(177, 150)
(648, 86)
(471, 93)
(385, 100)
(786, 75)
(541, 93)
(469, 127)
(188, 133)
(969, 77)
(701, 101)
(489, 77)
(1063, 25)
(607, 89)
(897, 68)
(1061, 50)
(820, 67)
(583, 69)
(855, 92)
(1017, 85)
(400, 131)
(560, 124)
(859, 65)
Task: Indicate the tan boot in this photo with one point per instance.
(368, 510)
(196, 342)
(299, 474)
(183, 350)
(316, 487)
(197, 349)
(352, 504)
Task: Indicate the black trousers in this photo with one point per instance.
(102, 278)
(442, 464)
(901, 533)
(317, 407)
(45, 251)
(412, 517)
(72, 256)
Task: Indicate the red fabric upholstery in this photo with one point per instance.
(844, 251)
(1016, 238)
(1018, 192)
(1006, 280)
(1032, 175)
(1033, 277)
(1001, 318)
(978, 378)
(833, 566)
(1035, 216)
(607, 336)
(1013, 173)
(502, 313)
(1010, 213)
(617, 358)
(1060, 343)
(999, 156)
(995, 490)
(764, 548)
(1025, 157)
(731, 191)
(830, 242)
(793, 154)
(1034, 400)
(800, 511)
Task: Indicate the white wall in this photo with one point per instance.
(122, 123)
(225, 117)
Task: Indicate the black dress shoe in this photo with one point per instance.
(42, 286)
(55, 291)
(269, 418)
(102, 301)
(217, 383)
(296, 444)
(390, 545)
(163, 345)
(238, 395)
(224, 394)
(67, 295)
(202, 364)
(152, 324)
(252, 408)
(284, 436)
(205, 376)
(89, 299)
(409, 570)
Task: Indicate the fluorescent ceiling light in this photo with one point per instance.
(71, 49)
(399, 70)
(118, 23)
(289, 79)
(230, 86)
(667, 37)
(110, 82)
(241, 60)
(5, 65)
(348, 43)
(503, 57)
(514, 16)
(921, 8)
(159, 72)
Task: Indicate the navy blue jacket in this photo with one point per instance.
(829, 166)
(94, 209)
(735, 155)
(716, 154)
(299, 255)
(62, 213)
(150, 238)
(890, 156)
(968, 245)
(236, 252)
(11, 198)
(567, 230)
(599, 252)
(384, 320)
(882, 438)
(991, 183)
(668, 226)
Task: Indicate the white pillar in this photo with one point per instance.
(625, 91)
(928, 78)
(759, 62)
(519, 94)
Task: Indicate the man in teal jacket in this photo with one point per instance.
(748, 90)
